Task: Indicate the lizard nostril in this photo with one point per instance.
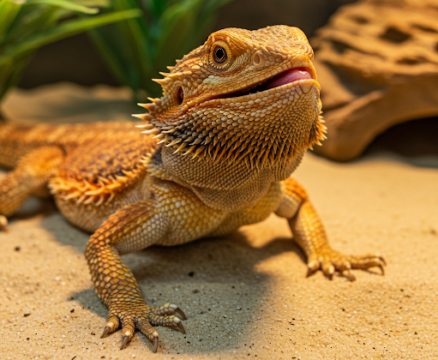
(180, 96)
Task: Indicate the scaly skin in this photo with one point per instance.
(234, 121)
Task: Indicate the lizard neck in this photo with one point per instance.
(221, 185)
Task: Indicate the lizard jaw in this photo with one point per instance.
(285, 78)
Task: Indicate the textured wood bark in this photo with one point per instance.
(377, 64)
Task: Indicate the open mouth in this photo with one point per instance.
(286, 77)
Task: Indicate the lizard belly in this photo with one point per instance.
(188, 217)
(251, 215)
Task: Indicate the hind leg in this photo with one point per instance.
(30, 176)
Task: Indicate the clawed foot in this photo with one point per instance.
(3, 223)
(330, 261)
(141, 316)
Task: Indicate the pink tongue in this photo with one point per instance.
(289, 77)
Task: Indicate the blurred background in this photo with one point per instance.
(76, 58)
(377, 61)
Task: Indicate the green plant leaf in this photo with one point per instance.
(114, 58)
(158, 7)
(68, 28)
(96, 3)
(8, 13)
(29, 23)
(68, 5)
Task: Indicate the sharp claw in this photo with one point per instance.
(105, 332)
(155, 344)
(312, 268)
(181, 327)
(309, 272)
(181, 314)
(124, 342)
(382, 259)
(350, 276)
(178, 323)
(382, 269)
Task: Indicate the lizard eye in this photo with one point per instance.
(219, 54)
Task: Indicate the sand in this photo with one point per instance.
(245, 295)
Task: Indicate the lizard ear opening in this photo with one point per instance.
(180, 96)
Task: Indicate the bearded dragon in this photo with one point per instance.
(235, 118)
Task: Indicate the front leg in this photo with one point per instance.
(130, 229)
(309, 233)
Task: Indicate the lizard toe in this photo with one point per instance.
(3, 223)
(142, 317)
(312, 265)
(368, 261)
(128, 329)
(145, 327)
(168, 321)
(331, 261)
(327, 268)
(111, 326)
(169, 309)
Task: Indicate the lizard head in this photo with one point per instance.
(243, 96)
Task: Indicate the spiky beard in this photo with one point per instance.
(222, 131)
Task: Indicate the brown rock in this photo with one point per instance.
(377, 62)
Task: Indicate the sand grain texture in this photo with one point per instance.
(245, 295)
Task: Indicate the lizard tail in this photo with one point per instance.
(17, 140)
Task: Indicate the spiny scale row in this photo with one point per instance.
(255, 149)
(85, 193)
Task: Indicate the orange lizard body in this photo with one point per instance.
(236, 116)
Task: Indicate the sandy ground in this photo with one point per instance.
(245, 295)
